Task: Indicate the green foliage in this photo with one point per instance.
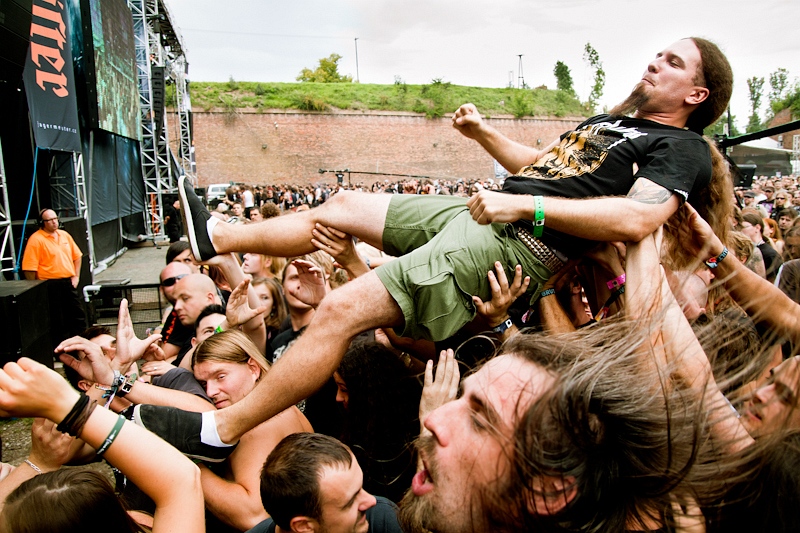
(435, 99)
(521, 104)
(233, 85)
(754, 87)
(563, 78)
(718, 127)
(326, 72)
(592, 58)
(778, 83)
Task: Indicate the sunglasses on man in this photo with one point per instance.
(169, 282)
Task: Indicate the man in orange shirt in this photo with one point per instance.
(51, 254)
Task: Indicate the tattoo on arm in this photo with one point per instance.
(647, 192)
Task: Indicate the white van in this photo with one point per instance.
(216, 191)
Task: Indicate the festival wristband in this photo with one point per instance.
(715, 261)
(111, 436)
(616, 282)
(547, 292)
(538, 216)
(507, 323)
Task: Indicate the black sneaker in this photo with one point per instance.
(195, 216)
(181, 429)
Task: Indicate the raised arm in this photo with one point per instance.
(762, 300)
(511, 154)
(28, 388)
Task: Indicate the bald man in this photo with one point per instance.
(193, 293)
(174, 334)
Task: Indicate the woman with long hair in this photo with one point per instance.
(270, 294)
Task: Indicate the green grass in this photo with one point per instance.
(436, 99)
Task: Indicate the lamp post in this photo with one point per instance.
(358, 80)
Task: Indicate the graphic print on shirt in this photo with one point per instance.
(580, 152)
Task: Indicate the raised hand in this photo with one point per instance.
(130, 348)
(28, 388)
(441, 388)
(468, 121)
(495, 311)
(50, 449)
(238, 310)
(93, 364)
(312, 283)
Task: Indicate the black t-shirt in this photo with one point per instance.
(597, 159)
(382, 518)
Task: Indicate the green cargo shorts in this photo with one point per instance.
(443, 260)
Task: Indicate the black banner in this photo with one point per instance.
(49, 81)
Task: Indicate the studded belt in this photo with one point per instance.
(544, 254)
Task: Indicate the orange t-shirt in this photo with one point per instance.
(51, 256)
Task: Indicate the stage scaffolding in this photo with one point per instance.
(8, 257)
(159, 44)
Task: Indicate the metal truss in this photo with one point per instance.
(8, 256)
(158, 44)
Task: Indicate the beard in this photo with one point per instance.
(634, 101)
(417, 514)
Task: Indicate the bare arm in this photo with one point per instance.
(511, 154)
(647, 207)
(234, 275)
(237, 501)
(29, 274)
(28, 388)
(762, 300)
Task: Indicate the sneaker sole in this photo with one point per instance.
(188, 221)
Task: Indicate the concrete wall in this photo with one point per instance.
(291, 146)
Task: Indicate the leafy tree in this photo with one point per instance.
(326, 72)
(754, 86)
(778, 83)
(718, 127)
(591, 57)
(563, 78)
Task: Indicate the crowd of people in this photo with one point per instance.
(602, 342)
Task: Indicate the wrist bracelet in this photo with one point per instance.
(547, 292)
(127, 386)
(111, 436)
(504, 325)
(715, 261)
(73, 423)
(616, 282)
(30, 464)
(538, 216)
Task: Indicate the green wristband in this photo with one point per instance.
(538, 216)
(111, 436)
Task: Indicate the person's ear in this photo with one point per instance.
(697, 96)
(84, 385)
(303, 524)
(551, 494)
(254, 368)
(194, 342)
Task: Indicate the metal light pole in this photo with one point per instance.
(358, 80)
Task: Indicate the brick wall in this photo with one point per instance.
(291, 146)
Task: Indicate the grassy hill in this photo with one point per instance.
(436, 99)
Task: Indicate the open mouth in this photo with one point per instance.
(422, 483)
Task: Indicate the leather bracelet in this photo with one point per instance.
(73, 423)
(504, 325)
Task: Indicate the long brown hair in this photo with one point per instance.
(66, 500)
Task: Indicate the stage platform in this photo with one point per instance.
(141, 265)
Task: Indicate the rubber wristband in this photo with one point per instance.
(111, 436)
(218, 329)
(616, 282)
(547, 292)
(538, 216)
(714, 262)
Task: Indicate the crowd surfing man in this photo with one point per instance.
(562, 198)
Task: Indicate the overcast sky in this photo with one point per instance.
(477, 42)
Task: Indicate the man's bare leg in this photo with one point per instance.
(359, 214)
(362, 304)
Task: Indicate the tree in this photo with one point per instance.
(778, 83)
(563, 78)
(718, 127)
(754, 86)
(591, 57)
(326, 72)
